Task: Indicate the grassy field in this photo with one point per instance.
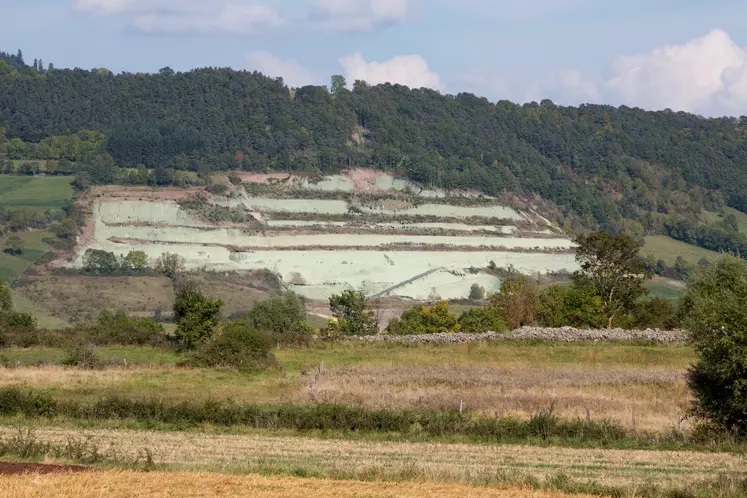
(666, 288)
(427, 462)
(667, 249)
(741, 217)
(116, 484)
(12, 267)
(610, 380)
(40, 193)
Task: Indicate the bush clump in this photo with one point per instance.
(282, 317)
(118, 328)
(84, 357)
(425, 320)
(480, 320)
(236, 345)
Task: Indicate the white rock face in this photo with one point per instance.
(378, 257)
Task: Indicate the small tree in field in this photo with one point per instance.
(476, 292)
(135, 260)
(195, 314)
(354, 314)
(169, 264)
(612, 266)
(715, 312)
(516, 302)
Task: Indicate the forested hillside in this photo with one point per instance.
(618, 169)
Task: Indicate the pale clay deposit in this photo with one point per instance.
(317, 264)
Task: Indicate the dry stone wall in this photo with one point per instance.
(563, 334)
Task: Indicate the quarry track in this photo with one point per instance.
(413, 246)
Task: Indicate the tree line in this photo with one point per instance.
(617, 169)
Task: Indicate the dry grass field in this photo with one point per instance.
(610, 380)
(75, 298)
(163, 484)
(431, 462)
(658, 396)
(78, 298)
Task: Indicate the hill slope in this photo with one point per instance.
(600, 166)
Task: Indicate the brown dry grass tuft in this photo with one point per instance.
(162, 484)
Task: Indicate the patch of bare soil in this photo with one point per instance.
(145, 193)
(13, 468)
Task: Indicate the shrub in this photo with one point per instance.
(238, 345)
(195, 314)
(6, 299)
(576, 306)
(17, 320)
(100, 262)
(480, 320)
(84, 357)
(282, 317)
(714, 312)
(118, 328)
(425, 320)
(353, 313)
(656, 313)
(516, 302)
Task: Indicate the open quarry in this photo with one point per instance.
(360, 230)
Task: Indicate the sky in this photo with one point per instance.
(686, 55)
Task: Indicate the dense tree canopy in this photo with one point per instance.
(619, 169)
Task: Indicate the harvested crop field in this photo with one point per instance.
(161, 484)
(427, 461)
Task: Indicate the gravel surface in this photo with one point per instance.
(564, 334)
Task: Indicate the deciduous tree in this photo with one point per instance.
(196, 315)
(612, 265)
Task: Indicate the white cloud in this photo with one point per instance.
(700, 75)
(517, 11)
(231, 19)
(118, 6)
(707, 75)
(358, 15)
(410, 70)
(247, 16)
(291, 71)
